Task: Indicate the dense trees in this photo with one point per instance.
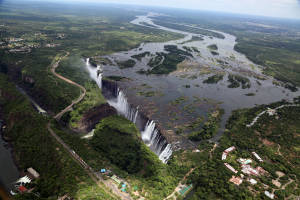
(118, 140)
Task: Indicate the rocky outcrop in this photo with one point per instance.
(92, 117)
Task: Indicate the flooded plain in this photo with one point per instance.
(180, 98)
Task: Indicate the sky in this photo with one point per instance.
(273, 8)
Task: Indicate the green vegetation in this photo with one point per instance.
(188, 49)
(147, 93)
(93, 62)
(250, 94)
(156, 60)
(129, 153)
(236, 80)
(147, 24)
(188, 29)
(214, 53)
(92, 98)
(115, 130)
(195, 49)
(116, 78)
(213, 47)
(141, 55)
(179, 100)
(279, 55)
(34, 147)
(210, 127)
(214, 79)
(265, 137)
(171, 60)
(85, 31)
(194, 39)
(126, 64)
(272, 43)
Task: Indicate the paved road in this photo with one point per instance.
(263, 112)
(94, 176)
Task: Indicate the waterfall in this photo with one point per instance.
(99, 76)
(123, 107)
(150, 133)
(157, 143)
(95, 73)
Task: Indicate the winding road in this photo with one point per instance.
(94, 176)
(83, 90)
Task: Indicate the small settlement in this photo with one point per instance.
(246, 170)
(25, 43)
(22, 185)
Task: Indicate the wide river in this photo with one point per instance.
(208, 97)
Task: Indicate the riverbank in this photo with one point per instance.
(183, 99)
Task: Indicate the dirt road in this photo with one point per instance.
(74, 155)
(83, 90)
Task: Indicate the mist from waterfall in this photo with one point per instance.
(123, 107)
(150, 134)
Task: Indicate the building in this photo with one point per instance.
(244, 161)
(230, 149)
(236, 180)
(230, 168)
(224, 156)
(271, 112)
(270, 195)
(252, 181)
(33, 173)
(22, 189)
(226, 151)
(257, 157)
(247, 169)
(24, 180)
(260, 170)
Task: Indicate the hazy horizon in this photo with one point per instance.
(270, 8)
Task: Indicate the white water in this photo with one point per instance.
(39, 109)
(156, 142)
(95, 72)
(121, 104)
(150, 135)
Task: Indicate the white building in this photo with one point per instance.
(33, 173)
(270, 195)
(224, 156)
(230, 149)
(244, 161)
(257, 157)
(252, 181)
(230, 168)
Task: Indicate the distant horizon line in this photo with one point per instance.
(157, 6)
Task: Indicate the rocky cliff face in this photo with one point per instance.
(92, 117)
